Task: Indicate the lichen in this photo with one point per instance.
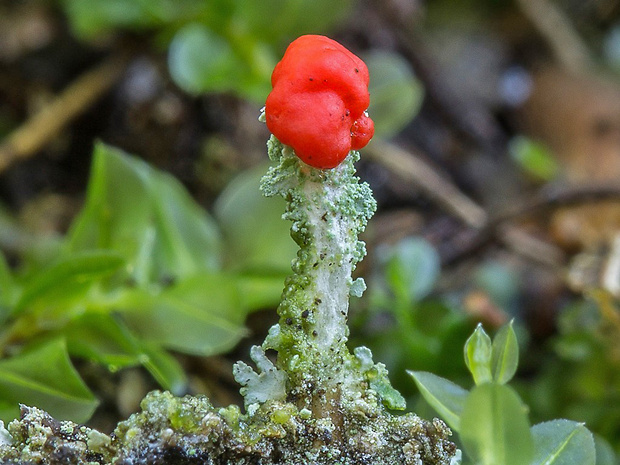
(277, 433)
(316, 404)
(328, 208)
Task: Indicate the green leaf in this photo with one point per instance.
(69, 277)
(500, 281)
(505, 354)
(605, 454)
(494, 427)
(103, 338)
(412, 268)
(203, 61)
(259, 292)
(45, 377)
(164, 368)
(147, 216)
(396, 94)
(8, 289)
(534, 158)
(201, 315)
(257, 238)
(447, 398)
(563, 442)
(92, 17)
(478, 353)
(274, 20)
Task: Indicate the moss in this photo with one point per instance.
(277, 433)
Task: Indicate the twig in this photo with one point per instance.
(550, 199)
(555, 27)
(412, 168)
(36, 132)
(545, 202)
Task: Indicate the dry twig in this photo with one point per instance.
(413, 168)
(37, 131)
(555, 27)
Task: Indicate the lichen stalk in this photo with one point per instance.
(328, 210)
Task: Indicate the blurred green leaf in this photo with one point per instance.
(200, 315)
(257, 238)
(478, 354)
(70, 277)
(499, 281)
(164, 368)
(90, 18)
(533, 157)
(605, 454)
(563, 442)
(105, 339)
(147, 216)
(412, 268)
(202, 61)
(8, 289)
(447, 398)
(395, 93)
(505, 354)
(494, 428)
(45, 377)
(280, 20)
(258, 292)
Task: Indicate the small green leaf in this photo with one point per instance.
(275, 19)
(202, 61)
(412, 268)
(494, 427)
(257, 238)
(505, 358)
(90, 18)
(147, 216)
(70, 276)
(8, 289)
(563, 442)
(258, 292)
(534, 158)
(396, 93)
(605, 454)
(478, 353)
(201, 315)
(44, 377)
(105, 339)
(164, 368)
(447, 398)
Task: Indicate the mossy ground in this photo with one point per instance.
(188, 430)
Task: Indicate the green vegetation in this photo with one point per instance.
(129, 282)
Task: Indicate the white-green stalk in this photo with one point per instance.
(314, 368)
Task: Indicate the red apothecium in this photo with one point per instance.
(319, 100)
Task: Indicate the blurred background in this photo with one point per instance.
(495, 165)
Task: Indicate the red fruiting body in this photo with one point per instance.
(319, 100)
